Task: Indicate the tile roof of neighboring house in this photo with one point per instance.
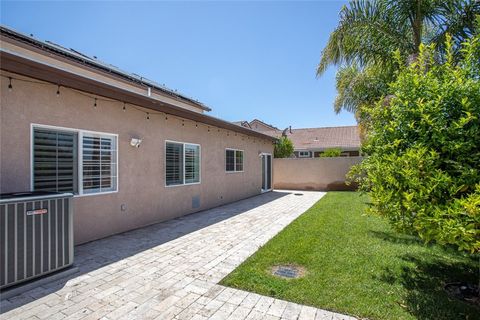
(329, 137)
(273, 133)
(321, 138)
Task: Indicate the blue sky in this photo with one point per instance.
(243, 59)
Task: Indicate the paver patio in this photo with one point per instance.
(171, 270)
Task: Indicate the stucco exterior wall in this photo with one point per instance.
(141, 172)
(312, 173)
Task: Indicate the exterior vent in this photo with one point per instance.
(195, 202)
(36, 235)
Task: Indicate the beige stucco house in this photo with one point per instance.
(133, 152)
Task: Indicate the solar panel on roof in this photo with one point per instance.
(98, 63)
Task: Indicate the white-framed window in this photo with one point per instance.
(73, 160)
(304, 154)
(99, 162)
(182, 163)
(233, 160)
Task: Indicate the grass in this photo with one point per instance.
(357, 265)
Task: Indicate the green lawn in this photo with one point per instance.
(358, 266)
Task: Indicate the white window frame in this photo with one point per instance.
(80, 133)
(183, 164)
(234, 160)
(304, 156)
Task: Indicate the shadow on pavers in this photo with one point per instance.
(99, 253)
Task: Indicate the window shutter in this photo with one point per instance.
(54, 160)
(192, 163)
(174, 163)
(99, 163)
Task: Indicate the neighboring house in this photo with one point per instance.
(242, 124)
(259, 126)
(312, 142)
(133, 152)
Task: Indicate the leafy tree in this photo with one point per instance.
(370, 30)
(423, 165)
(283, 148)
(332, 152)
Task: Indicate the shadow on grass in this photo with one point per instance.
(424, 276)
(396, 238)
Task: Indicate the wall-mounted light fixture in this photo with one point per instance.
(135, 142)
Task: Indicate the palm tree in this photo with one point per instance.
(370, 31)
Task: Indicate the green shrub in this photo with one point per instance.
(283, 148)
(423, 165)
(332, 152)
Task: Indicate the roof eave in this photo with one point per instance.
(45, 46)
(34, 69)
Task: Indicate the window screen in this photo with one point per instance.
(54, 160)
(182, 163)
(233, 160)
(230, 160)
(238, 160)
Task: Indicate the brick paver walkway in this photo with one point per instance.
(171, 270)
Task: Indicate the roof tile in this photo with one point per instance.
(322, 138)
